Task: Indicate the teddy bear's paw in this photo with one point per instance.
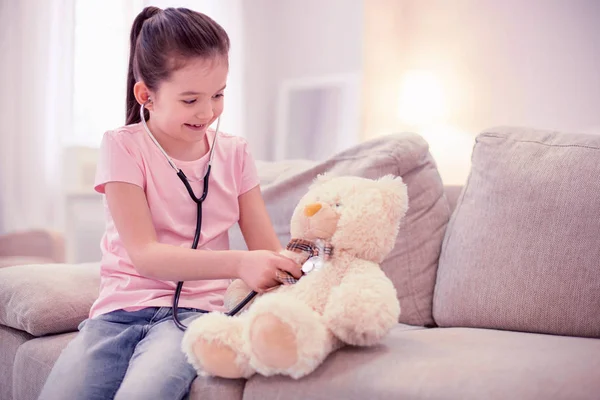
(285, 337)
(218, 359)
(213, 345)
(273, 342)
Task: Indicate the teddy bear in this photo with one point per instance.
(341, 230)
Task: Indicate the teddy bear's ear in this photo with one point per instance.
(395, 189)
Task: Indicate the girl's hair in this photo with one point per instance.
(162, 41)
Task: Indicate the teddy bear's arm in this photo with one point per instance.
(364, 307)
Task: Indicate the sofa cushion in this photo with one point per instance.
(522, 250)
(449, 363)
(47, 298)
(412, 264)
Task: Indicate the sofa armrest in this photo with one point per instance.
(39, 244)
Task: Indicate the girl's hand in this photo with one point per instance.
(259, 269)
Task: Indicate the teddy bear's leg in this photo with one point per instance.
(285, 336)
(213, 345)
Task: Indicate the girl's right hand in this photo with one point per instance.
(259, 269)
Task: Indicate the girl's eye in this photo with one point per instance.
(218, 96)
(189, 101)
(338, 205)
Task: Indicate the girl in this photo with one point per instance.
(129, 347)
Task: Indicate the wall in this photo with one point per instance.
(532, 63)
(384, 46)
(290, 40)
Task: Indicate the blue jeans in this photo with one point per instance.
(124, 355)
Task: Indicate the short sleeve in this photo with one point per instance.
(249, 176)
(119, 161)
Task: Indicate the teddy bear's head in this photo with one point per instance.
(356, 215)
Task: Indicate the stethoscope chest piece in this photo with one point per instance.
(313, 264)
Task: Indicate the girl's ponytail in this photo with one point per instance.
(132, 106)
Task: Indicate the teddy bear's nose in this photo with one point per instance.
(312, 209)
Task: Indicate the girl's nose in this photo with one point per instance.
(205, 111)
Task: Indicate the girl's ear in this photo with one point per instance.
(142, 94)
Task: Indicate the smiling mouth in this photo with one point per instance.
(196, 126)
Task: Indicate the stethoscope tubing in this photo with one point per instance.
(198, 201)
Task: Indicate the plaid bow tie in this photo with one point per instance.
(309, 249)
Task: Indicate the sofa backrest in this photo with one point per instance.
(522, 250)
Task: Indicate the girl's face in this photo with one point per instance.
(184, 106)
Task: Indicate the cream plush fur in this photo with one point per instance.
(349, 301)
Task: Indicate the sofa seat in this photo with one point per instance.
(449, 363)
(412, 363)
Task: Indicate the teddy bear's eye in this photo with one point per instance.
(338, 204)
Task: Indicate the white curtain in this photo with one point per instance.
(35, 110)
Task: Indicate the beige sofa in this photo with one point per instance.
(499, 281)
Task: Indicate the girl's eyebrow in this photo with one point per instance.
(192, 93)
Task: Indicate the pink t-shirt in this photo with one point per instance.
(129, 155)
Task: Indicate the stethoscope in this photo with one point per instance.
(198, 201)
